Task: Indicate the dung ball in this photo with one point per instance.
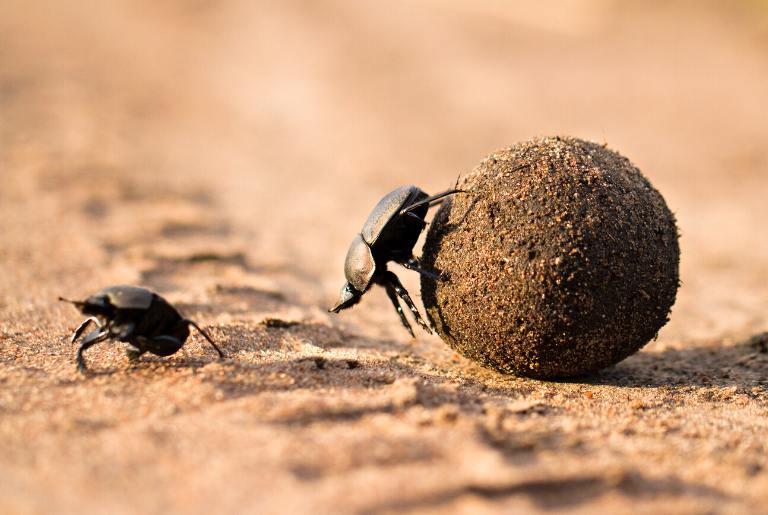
(558, 260)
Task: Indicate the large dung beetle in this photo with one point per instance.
(389, 234)
(134, 315)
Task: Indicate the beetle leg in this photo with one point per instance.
(392, 294)
(122, 332)
(82, 327)
(392, 279)
(163, 345)
(205, 335)
(413, 264)
(93, 338)
(417, 217)
(133, 353)
(429, 200)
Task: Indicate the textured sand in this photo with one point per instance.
(224, 153)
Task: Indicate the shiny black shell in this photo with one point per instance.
(386, 235)
(388, 208)
(123, 297)
(151, 315)
(393, 235)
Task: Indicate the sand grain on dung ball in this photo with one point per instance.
(562, 259)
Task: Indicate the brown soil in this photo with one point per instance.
(562, 260)
(224, 153)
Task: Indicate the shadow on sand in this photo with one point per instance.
(744, 365)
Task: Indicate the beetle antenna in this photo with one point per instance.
(205, 335)
(77, 303)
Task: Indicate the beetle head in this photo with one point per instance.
(96, 305)
(348, 297)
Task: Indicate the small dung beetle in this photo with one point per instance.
(389, 234)
(134, 315)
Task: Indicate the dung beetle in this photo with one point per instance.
(389, 234)
(134, 315)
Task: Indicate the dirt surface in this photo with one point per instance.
(224, 154)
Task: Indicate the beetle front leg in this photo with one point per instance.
(392, 294)
(92, 339)
(392, 279)
(82, 327)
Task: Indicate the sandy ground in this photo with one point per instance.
(224, 153)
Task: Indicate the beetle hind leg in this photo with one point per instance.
(205, 335)
(430, 201)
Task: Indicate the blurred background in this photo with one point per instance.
(302, 114)
(262, 133)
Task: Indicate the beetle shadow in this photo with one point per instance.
(309, 357)
(296, 348)
(556, 493)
